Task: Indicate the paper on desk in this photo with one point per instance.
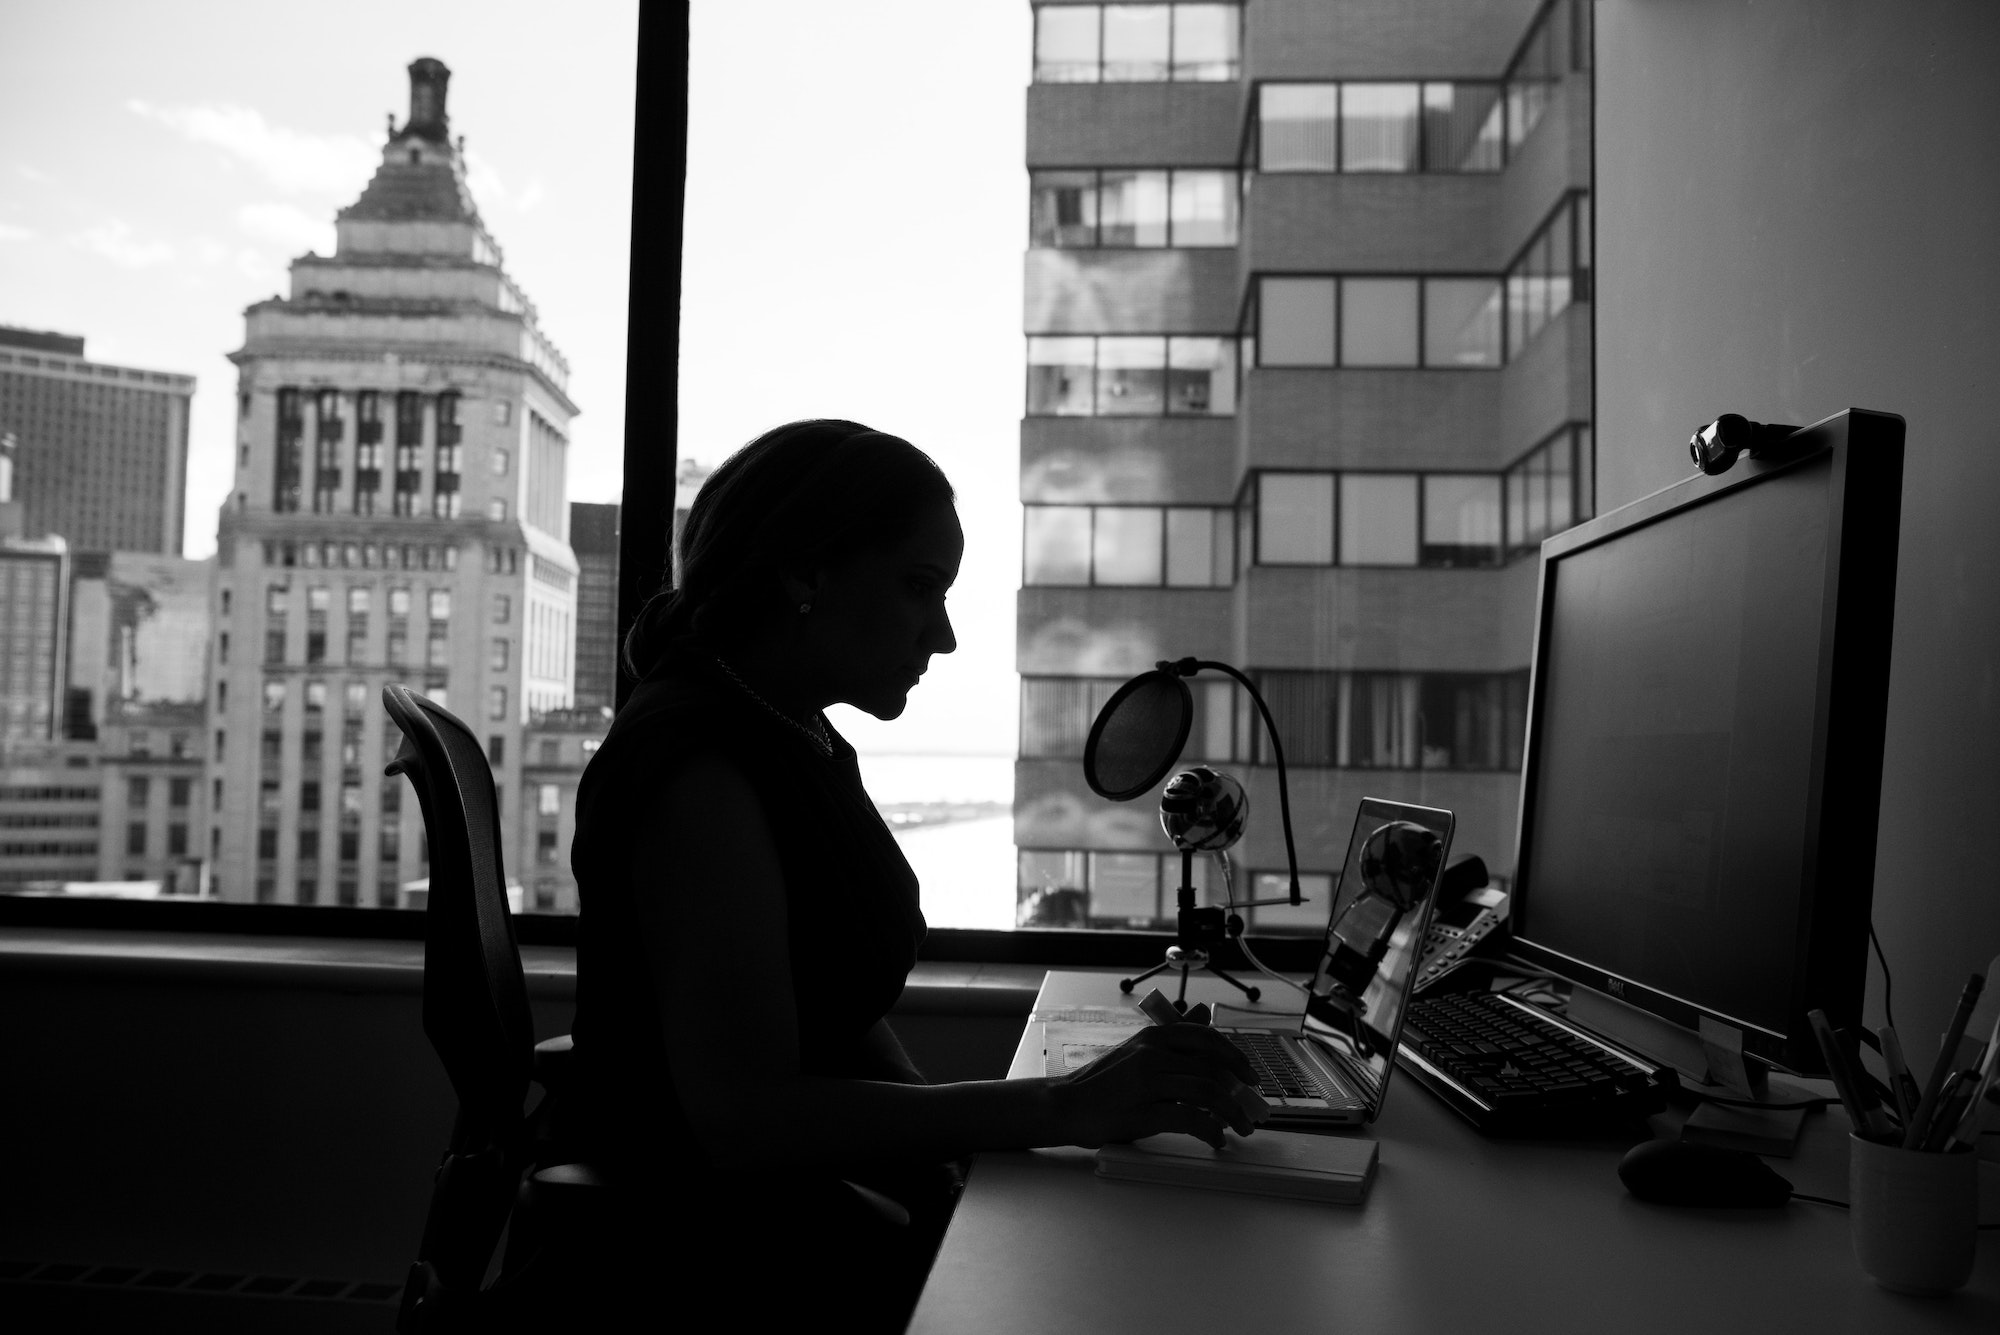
(1072, 1046)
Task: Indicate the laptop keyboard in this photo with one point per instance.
(1525, 1071)
(1278, 1076)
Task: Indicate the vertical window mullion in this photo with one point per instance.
(1090, 547)
(1423, 291)
(1096, 227)
(1100, 45)
(1172, 52)
(1333, 519)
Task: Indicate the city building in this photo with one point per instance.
(140, 628)
(1308, 380)
(34, 637)
(101, 451)
(398, 515)
(558, 744)
(593, 536)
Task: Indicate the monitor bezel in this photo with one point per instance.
(1864, 453)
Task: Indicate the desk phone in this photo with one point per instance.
(1456, 928)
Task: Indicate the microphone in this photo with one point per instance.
(1138, 736)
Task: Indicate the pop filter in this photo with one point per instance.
(1138, 735)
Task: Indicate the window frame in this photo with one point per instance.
(659, 183)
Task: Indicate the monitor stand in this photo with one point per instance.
(1773, 1131)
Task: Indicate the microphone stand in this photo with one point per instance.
(1196, 929)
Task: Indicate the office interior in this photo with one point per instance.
(1796, 210)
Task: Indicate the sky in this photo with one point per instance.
(855, 221)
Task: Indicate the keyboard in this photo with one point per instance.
(1511, 1068)
(1278, 1076)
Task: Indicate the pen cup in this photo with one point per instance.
(1913, 1215)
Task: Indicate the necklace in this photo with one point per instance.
(816, 734)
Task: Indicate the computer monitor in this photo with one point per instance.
(1704, 751)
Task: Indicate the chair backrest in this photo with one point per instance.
(475, 997)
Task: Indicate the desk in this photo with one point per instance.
(1461, 1233)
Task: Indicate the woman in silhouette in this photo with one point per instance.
(748, 921)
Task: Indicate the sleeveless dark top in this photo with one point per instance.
(854, 924)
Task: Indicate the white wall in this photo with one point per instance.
(1799, 212)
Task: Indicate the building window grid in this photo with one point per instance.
(1132, 375)
(1550, 488)
(1110, 546)
(1200, 43)
(1071, 209)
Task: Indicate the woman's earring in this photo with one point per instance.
(805, 608)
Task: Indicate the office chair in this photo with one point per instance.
(498, 1165)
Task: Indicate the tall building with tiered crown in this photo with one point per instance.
(399, 514)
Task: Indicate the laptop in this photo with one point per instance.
(1332, 1067)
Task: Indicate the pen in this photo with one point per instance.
(1982, 1111)
(1951, 1106)
(1901, 1083)
(1968, 1127)
(1913, 1134)
(1867, 1119)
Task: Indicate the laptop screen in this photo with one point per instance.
(1381, 910)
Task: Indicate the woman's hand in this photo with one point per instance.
(1173, 1077)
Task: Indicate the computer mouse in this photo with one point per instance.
(1672, 1172)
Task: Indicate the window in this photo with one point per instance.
(1461, 520)
(503, 609)
(399, 602)
(496, 750)
(274, 695)
(1294, 518)
(496, 659)
(548, 800)
(440, 604)
(135, 840)
(315, 697)
(1376, 126)
(358, 598)
(1378, 322)
(177, 840)
(1176, 546)
(1137, 43)
(546, 852)
(138, 792)
(179, 792)
(496, 702)
(355, 697)
(499, 459)
(496, 510)
(1461, 322)
(1295, 321)
(1378, 519)
(1132, 376)
(1552, 270)
(1186, 207)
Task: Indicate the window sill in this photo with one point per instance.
(339, 964)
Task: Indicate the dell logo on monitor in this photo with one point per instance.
(1617, 987)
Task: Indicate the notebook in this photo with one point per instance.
(1332, 1068)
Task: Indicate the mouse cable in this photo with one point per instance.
(1888, 988)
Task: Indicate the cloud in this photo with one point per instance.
(116, 242)
(35, 174)
(530, 197)
(287, 225)
(293, 161)
(9, 232)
